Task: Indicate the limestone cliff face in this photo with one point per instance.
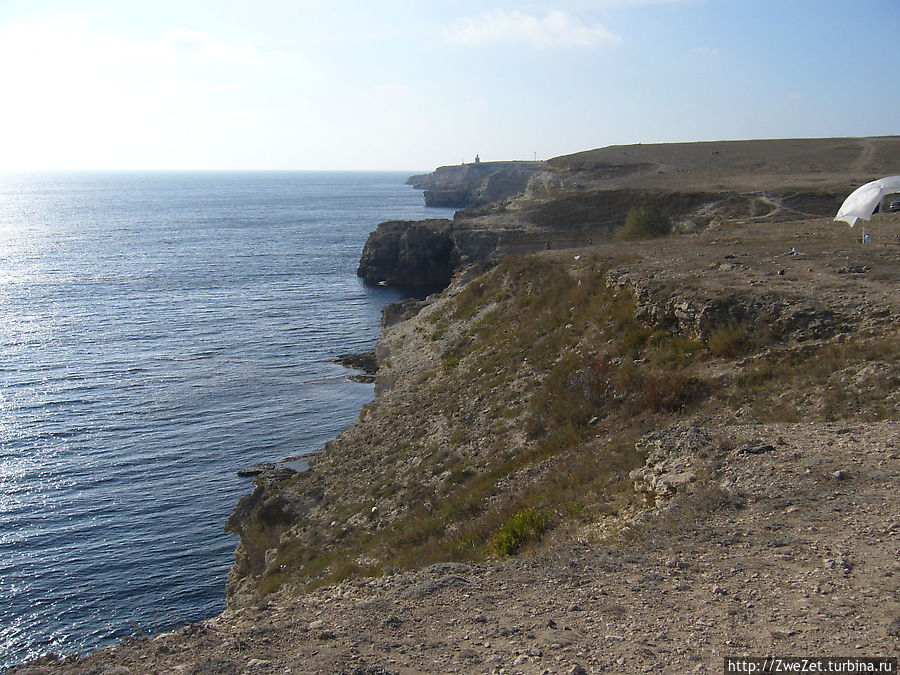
(427, 253)
(577, 200)
(409, 253)
(260, 519)
(474, 184)
(445, 394)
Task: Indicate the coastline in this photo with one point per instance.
(708, 529)
(206, 376)
(734, 516)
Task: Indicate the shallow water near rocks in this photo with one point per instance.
(158, 332)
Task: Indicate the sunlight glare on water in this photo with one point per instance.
(157, 333)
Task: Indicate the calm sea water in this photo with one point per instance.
(157, 333)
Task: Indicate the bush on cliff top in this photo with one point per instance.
(523, 526)
(643, 222)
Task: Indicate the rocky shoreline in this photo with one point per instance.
(786, 564)
(612, 457)
(474, 184)
(365, 362)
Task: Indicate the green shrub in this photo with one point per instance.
(523, 526)
(645, 221)
(729, 340)
(669, 350)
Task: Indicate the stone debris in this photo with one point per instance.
(757, 449)
(782, 571)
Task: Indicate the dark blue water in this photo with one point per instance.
(157, 333)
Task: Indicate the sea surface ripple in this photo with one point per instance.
(159, 331)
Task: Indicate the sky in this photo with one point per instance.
(413, 84)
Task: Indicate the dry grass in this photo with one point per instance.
(596, 379)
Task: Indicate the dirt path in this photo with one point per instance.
(866, 155)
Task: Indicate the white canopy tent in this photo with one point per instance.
(863, 201)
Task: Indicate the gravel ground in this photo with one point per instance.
(760, 540)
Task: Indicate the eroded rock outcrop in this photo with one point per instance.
(409, 253)
(427, 253)
(756, 324)
(697, 313)
(260, 519)
(474, 184)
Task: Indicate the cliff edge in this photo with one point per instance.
(618, 458)
(580, 199)
(475, 184)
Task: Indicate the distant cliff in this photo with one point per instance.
(426, 253)
(474, 184)
(580, 199)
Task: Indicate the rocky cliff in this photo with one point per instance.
(427, 253)
(515, 402)
(583, 198)
(474, 184)
(409, 253)
(694, 438)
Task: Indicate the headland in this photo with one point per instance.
(615, 453)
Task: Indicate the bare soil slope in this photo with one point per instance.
(802, 558)
(745, 165)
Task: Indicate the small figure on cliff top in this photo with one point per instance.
(477, 159)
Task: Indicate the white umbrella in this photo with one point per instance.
(862, 201)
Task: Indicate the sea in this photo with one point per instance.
(159, 332)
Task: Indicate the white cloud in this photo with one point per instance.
(557, 29)
(624, 4)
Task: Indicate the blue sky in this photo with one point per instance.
(411, 85)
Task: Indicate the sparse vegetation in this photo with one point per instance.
(834, 381)
(521, 527)
(643, 222)
(524, 425)
(729, 340)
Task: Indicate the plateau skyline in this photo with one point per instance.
(314, 85)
